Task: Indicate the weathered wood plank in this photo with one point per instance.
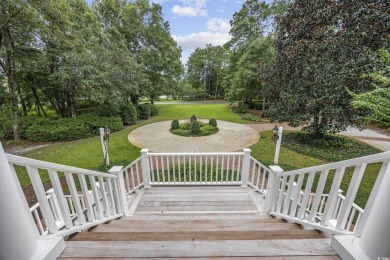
(196, 199)
(195, 216)
(221, 248)
(196, 236)
(248, 225)
(196, 208)
(312, 257)
(194, 203)
(196, 195)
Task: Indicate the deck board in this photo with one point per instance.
(221, 248)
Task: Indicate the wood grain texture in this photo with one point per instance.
(221, 248)
(196, 236)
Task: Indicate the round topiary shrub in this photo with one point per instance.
(195, 127)
(143, 111)
(193, 118)
(128, 113)
(213, 122)
(153, 109)
(175, 124)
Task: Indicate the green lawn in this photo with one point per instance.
(87, 153)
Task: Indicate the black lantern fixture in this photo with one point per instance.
(275, 132)
(106, 135)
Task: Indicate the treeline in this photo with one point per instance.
(66, 56)
(309, 60)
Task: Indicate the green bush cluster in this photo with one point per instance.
(128, 113)
(65, 129)
(250, 117)
(213, 122)
(241, 108)
(175, 124)
(195, 127)
(143, 111)
(153, 109)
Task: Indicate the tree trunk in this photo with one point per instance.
(263, 104)
(216, 88)
(10, 64)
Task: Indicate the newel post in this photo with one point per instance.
(19, 237)
(245, 167)
(145, 168)
(272, 188)
(117, 170)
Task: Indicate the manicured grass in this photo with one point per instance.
(87, 153)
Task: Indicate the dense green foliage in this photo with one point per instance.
(377, 101)
(322, 49)
(193, 118)
(143, 111)
(153, 109)
(175, 124)
(128, 113)
(195, 127)
(61, 129)
(58, 53)
(213, 122)
(325, 147)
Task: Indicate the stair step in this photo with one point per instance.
(197, 236)
(195, 225)
(220, 248)
(195, 216)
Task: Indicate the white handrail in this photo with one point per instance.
(305, 201)
(258, 174)
(84, 206)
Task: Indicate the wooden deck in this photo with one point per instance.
(198, 222)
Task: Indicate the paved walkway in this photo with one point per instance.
(158, 138)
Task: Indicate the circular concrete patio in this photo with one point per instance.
(157, 138)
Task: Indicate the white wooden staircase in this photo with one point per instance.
(193, 222)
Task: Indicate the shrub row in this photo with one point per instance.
(64, 129)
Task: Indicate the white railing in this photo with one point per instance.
(299, 195)
(196, 168)
(132, 175)
(85, 204)
(258, 174)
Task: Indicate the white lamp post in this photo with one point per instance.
(278, 139)
(104, 137)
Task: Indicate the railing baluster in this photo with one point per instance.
(211, 169)
(138, 175)
(169, 173)
(190, 168)
(87, 199)
(127, 180)
(351, 194)
(216, 169)
(227, 168)
(174, 169)
(185, 169)
(233, 166)
(330, 206)
(96, 197)
(262, 176)
(162, 168)
(281, 194)
(318, 195)
(201, 168)
(239, 173)
(107, 212)
(222, 168)
(64, 208)
(286, 204)
(306, 195)
(206, 172)
(158, 169)
(178, 165)
(295, 195)
(195, 170)
(110, 196)
(132, 177)
(41, 196)
(151, 168)
(350, 219)
(75, 197)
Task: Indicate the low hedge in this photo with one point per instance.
(65, 129)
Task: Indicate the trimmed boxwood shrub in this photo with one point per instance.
(129, 114)
(65, 129)
(175, 124)
(195, 127)
(213, 122)
(153, 109)
(143, 111)
(193, 118)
